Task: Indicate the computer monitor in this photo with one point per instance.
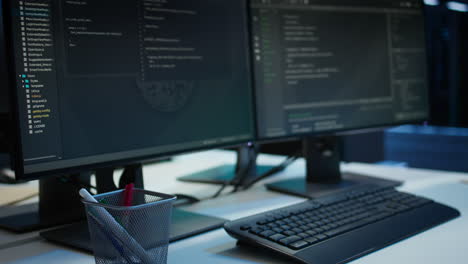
(327, 67)
(109, 83)
(4, 107)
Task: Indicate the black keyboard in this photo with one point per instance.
(343, 227)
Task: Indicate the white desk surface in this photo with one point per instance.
(447, 243)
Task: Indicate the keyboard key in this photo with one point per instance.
(346, 228)
(289, 240)
(320, 237)
(297, 230)
(360, 216)
(299, 245)
(318, 230)
(320, 223)
(379, 216)
(276, 237)
(312, 240)
(315, 218)
(256, 230)
(278, 230)
(303, 235)
(267, 233)
(342, 222)
(289, 233)
(293, 225)
(277, 217)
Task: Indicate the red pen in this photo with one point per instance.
(128, 194)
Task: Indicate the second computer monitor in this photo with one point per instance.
(324, 67)
(327, 66)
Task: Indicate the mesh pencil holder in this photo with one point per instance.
(130, 234)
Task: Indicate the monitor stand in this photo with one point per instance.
(56, 196)
(323, 175)
(184, 224)
(226, 174)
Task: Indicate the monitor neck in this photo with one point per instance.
(323, 175)
(131, 174)
(322, 155)
(59, 199)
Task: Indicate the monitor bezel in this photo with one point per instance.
(17, 146)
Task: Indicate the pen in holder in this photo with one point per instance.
(129, 233)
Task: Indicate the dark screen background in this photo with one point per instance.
(110, 113)
(327, 66)
(360, 51)
(131, 75)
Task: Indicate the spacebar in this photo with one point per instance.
(346, 228)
